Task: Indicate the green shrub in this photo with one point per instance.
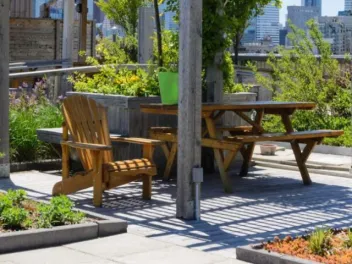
(348, 242)
(5, 203)
(319, 241)
(298, 75)
(16, 196)
(14, 217)
(27, 114)
(58, 212)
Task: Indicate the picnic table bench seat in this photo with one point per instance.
(244, 136)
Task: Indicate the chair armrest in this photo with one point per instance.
(86, 146)
(134, 140)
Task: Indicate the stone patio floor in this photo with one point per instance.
(267, 203)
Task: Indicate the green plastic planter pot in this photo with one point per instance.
(168, 83)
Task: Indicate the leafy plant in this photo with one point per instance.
(320, 241)
(14, 217)
(348, 242)
(58, 212)
(5, 203)
(29, 112)
(298, 75)
(16, 196)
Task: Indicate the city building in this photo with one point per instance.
(348, 5)
(21, 8)
(345, 13)
(267, 25)
(313, 3)
(98, 15)
(54, 9)
(167, 18)
(283, 34)
(299, 15)
(338, 32)
(249, 35)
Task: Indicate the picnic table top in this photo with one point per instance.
(240, 106)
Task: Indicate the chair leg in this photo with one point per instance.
(170, 161)
(98, 178)
(147, 187)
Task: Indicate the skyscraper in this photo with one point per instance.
(348, 5)
(268, 24)
(168, 18)
(313, 3)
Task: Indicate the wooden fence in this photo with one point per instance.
(41, 39)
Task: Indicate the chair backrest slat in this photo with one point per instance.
(87, 123)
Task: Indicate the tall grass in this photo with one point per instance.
(27, 114)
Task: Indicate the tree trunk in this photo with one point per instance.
(158, 32)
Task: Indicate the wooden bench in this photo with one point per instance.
(242, 141)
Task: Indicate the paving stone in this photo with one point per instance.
(119, 245)
(171, 255)
(56, 255)
(266, 203)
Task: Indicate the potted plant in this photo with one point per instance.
(168, 84)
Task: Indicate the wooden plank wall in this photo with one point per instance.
(41, 39)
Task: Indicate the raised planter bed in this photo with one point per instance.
(331, 246)
(29, 224)
(48, 237)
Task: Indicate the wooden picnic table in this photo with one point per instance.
(246, 138)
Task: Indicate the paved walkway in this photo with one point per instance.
(122, 249)
(267, 203)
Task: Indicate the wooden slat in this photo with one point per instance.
(86, 145)
(141, 141)
(241, 106)
(316, 134)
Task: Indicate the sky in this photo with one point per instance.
(330, 7)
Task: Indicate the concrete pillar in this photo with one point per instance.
(4, 88)
(190, 103)
(145, 34)
(67, 42)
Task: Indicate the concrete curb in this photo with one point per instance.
(39, 238)
(261, 256)
(43, 165)
(293, 168)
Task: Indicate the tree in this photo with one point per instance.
(123, 13)
(299, 75)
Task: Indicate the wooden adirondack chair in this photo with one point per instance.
(86, 121)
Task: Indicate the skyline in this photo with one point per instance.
(330, 8)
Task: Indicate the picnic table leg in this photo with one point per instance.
(170, 161)
(247, 152)
(219, 156)
(300, 158)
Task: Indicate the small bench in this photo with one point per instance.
(244, 141)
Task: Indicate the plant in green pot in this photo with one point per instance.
(168, 84)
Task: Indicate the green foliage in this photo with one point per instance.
(348, 241)
(5, 203)
(13, 217)
(26, 116)
(16, 196)
(170, 50)
(300, 76)
(127, 82)
(319, 242)
(58, 212)
(122, 12)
